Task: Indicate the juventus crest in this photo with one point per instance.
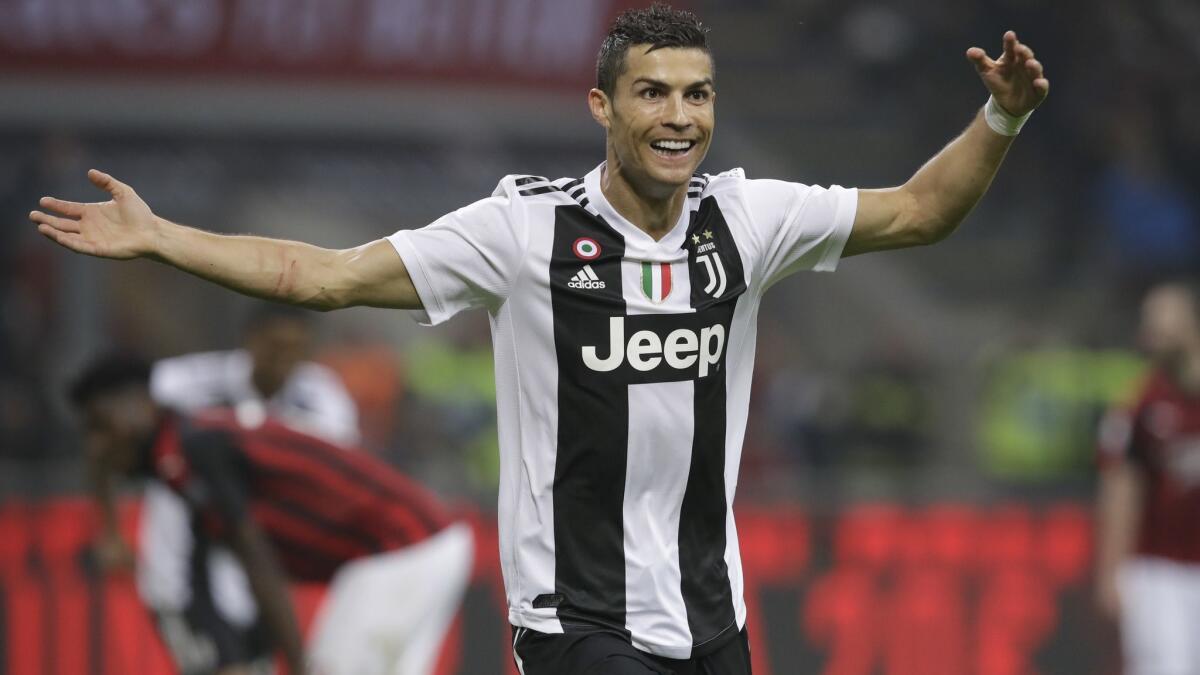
(708, 256)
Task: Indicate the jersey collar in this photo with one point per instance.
(638, 244)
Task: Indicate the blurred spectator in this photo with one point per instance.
(30, 304)
(374, 375)
(802, 407)
(453, 390)
(889, 414)
(1040, 405)
(1151, 217)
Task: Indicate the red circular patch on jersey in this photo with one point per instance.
(586, 248)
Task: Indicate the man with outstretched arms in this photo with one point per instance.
(623, 309)
(1148, 511)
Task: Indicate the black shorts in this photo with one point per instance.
(604, 653)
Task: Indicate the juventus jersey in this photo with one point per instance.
(623, 369)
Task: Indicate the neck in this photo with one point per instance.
(652, 211)
(265, 386)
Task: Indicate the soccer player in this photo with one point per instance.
(290, 505)
(195, 587)
(623, 310)
(268, 375)
(1148, 548)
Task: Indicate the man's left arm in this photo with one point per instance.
(941, 193)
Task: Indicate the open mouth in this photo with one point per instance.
(672, 148)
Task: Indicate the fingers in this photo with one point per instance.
(1010, 47)
(73, 209)
(67, 240)
(61, 224)
(1037, 77)
(1015, 52)
(980, 58)
(109, 184)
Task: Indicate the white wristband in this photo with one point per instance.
(1001, 121)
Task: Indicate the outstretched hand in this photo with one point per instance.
(1016, 79)
(123, 227)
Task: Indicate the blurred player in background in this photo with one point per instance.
(195, 587)
(1148, 567)
(269, 375)
(291, 506)
(623, 306)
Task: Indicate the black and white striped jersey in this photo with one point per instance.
(623, 369)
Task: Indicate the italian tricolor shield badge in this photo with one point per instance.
(656, 280)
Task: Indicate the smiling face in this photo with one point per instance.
(659, 118)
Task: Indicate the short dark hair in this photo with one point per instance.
(107, 374)
(658, 26)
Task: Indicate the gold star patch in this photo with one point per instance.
(708, 234)
(695, 239)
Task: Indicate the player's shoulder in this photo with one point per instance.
(705, 184)
(313, 374)
(712, 182)
(192, 370)
(525, 188)
(195, 361)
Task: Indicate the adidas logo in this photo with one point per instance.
(585, 279)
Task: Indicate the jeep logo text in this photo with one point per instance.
(646, 350)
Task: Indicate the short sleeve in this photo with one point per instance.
(463, 260)
(218, 486)
(801, 227)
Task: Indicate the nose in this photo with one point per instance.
(676, 114)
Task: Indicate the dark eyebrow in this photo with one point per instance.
(663, 85)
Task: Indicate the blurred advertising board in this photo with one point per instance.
(540, 42)
(876, 589)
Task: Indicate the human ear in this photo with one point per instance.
(598, 103)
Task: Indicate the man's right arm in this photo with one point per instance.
(112, 551)
(285, 271)
(268, 583)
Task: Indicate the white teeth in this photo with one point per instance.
(672, 145)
